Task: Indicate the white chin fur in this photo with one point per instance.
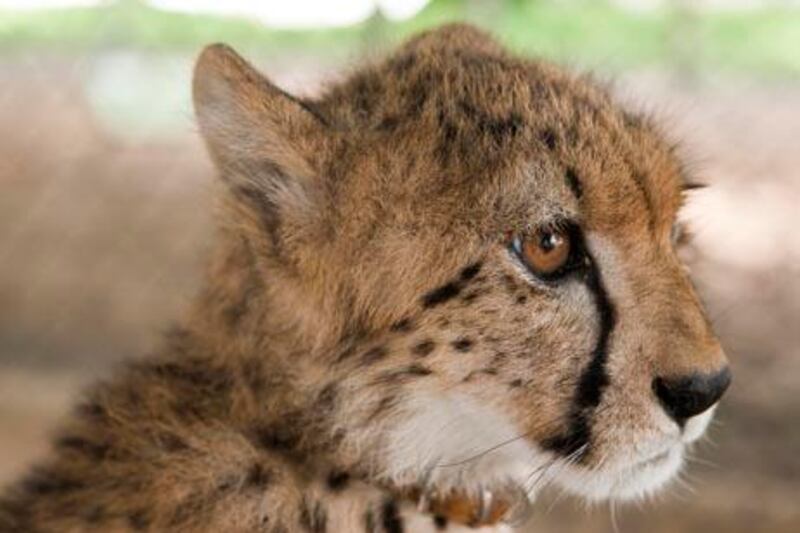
(627, 482)
(448, 441)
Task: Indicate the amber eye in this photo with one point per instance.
(545, 252)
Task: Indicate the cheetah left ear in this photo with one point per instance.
(245, 119)
(262, 139)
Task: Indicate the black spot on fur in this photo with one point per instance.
(276, 437)
(389, 123)
(405, 325)
(373, 355)
(515, 383)
(442, 294)
(440, 522)
(327, 397)
(548, 137)
(452, 289)
(85, 447)
(471, 271)
(390, 517)
(313, 517)
(521, 299)
(423, 348)
(416, 370)
(48, 483)
(574, 183)
(338, 480)
(403, 374)
(258, 476)
(498, 128)
(462, 344)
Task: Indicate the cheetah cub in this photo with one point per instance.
(446, 283)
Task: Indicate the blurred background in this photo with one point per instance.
(105, 209)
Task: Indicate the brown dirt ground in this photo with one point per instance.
(102, 238)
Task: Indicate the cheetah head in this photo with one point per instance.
(481, 252)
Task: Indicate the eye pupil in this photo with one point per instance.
(549, 241)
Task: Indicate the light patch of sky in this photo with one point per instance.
(273, 13)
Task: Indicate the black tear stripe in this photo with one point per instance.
(593, 380)
(574, 183)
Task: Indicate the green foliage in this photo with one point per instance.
(590, 33)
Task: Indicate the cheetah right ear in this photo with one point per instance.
(256, 133)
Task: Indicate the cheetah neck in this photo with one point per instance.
(293, 397)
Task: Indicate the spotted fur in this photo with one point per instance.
(365, 333)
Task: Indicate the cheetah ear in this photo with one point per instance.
(256, 133)
(262, 140)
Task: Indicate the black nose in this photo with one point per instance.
(686, 397)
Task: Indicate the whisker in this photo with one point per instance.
(612, 508)
(542, 471)
(685, 485)
(485, 452)
(570, 460)
(694, 459)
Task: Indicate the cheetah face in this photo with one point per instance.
(481, 248)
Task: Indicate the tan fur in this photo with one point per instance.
(269, 407)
